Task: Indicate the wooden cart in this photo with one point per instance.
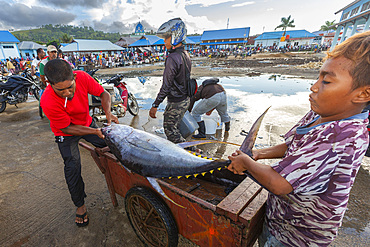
(218, 209)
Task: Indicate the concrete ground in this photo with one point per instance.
(36, 209)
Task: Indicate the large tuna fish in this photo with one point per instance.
(152, 156)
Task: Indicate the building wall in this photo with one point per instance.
(8, 50)
(353, 10)
(273, 42)
(31, 53)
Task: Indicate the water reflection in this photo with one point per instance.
(239, 89)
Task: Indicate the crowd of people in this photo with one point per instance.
(124, 58)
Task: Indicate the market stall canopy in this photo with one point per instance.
(145, 40)
(89, 45)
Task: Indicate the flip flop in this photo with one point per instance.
(82, 216)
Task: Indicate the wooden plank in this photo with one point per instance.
(238, 199)
(249, 214)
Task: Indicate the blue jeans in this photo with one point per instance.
(266, 239)
(218, 102)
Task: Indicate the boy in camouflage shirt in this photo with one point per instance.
(309, 187)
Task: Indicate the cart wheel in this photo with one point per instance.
(150, 218)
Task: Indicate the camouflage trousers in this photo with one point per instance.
(173, 115)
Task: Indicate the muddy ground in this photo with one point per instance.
(287, 64)
(35, 206)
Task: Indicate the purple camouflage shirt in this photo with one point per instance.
(321, 163)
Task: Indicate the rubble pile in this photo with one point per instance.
(310, 65)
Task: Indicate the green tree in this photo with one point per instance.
(285, 23)
(329, 25)
(66, 38)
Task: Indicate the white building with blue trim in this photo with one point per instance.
(8, 45)
(29, 49)
(355, 18)
(293, 37)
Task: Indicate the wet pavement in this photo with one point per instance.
(36, 209)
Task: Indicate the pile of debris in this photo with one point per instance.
(310, 65)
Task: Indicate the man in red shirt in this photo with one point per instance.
(65, 103)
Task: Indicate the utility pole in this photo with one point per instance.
(227, 23)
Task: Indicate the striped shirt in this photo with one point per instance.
(321, 164)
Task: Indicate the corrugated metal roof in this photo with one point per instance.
(224, 43)
(159, 42)
(125, 41)
(293, 34)
(146, 40)
(195, 39)
(6, 36)
(235, 33)
(91, 45)
(29, 45)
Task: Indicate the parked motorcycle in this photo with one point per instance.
(121, 100)
(129, 100)
(16, 90)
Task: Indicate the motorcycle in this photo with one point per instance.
(121, 99)
(16, 90)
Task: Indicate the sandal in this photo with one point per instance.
(82, 216)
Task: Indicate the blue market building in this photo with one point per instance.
(294, 38)
(225, 38)
(8, 45)
(355, 18)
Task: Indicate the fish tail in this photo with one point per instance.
(158, 188)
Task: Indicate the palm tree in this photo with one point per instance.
(66, 38)
(329, 25)
(285, 23)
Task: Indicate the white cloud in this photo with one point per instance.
(242, 4)
(207, 3)
(152, 12)
(270, 9)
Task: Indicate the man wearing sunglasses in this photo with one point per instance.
(65, 104)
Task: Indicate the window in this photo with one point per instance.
(354, 11)
(345, 15)
(8, 46)
(365, 6)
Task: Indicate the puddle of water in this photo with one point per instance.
(248, 97)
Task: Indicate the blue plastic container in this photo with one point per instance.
(188, 125)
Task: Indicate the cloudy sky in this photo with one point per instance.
(199, 15)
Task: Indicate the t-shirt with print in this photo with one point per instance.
(76, 111)
(321, 163)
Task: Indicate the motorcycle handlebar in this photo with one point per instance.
(114, 79)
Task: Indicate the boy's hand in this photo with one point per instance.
(238, 162)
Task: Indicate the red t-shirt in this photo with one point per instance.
(77, 110)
